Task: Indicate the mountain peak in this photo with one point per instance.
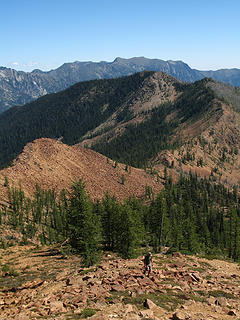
(118, 59)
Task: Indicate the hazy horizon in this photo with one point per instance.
(47, 70)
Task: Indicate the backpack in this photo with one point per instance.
(147, 259)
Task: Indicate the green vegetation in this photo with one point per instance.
(87, 312)
(73, 113)
(220, 293)
(195, 100)
(227, 93)
(8, 271)
(191, 216)
(68, 114)
(83, 223)
(141, 142)
(169, 300)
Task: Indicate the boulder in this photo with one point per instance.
(146, 282)
(211, 300)
(22, 316)
(149, 304)
(43, 312)
(88, 277)
(70, 281)
(221, 301)
(79, 299)
(132, 294)
(177, 255)
(195, 277)
(129, 309)
(146, 314)
(178, 264)
(179, 315)
(56, 306)
(117, 287)
(177, 288)
(232, 313)
(71, 290)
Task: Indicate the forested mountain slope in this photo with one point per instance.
(82, 108)
(68, 114)
(210, 145)
(142, 120)
(161, 127)
(18, 87)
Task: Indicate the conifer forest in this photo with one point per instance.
(192, 216)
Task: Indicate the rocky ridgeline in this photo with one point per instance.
(18, 87)
(179, 288)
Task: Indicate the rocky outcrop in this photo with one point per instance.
(18, 87)
(179, 288)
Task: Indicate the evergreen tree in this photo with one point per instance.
(110, 221)
(84, 225)
(159, 222)
(130, 231)
(233, 234)
(236, 239)
(190, 235)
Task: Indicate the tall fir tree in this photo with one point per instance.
(84, 228)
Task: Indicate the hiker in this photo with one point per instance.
(148, 263)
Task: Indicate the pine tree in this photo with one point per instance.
(233, 233)
(84, 225)
(191, 238)
(159, 222)
(130, 231)
(231, 213)
(236, 239)
(110, 221)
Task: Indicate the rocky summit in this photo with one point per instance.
(45, 283)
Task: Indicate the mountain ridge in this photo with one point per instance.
(50, 164)
(70, 113)
(19, 87)
(148, 119)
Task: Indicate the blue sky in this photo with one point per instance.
(43, 34)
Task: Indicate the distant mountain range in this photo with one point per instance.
(18, 87)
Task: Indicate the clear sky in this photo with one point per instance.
(43, 34)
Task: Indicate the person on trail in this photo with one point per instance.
(148, 263)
